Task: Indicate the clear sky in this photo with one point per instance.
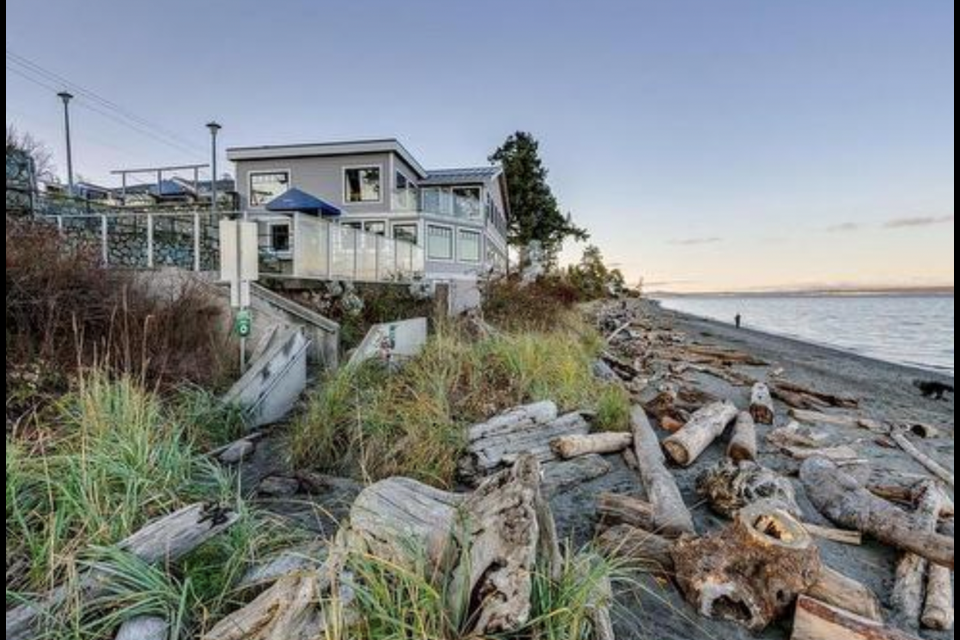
(707, 144)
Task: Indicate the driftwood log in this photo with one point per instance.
(730, 486)
(752, 572)
(836, 420)
(840, 498)
(825, 399)
(615, 509)
(489, 543)
(671, 515)
(840, 536)
(144, 628)
(743, 444)
(816, 620)
(900, 437)
(166, 540)
(638, 548)
(497, 444)
(567, 447)
(761, 404)
(838, 590)
(938, 610)
(908, 590)
(705, 426)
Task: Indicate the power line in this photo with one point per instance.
(98, 104)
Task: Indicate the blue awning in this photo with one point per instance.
(297, 201)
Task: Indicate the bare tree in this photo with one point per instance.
(38, 151)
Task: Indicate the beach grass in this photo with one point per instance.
(373, 424)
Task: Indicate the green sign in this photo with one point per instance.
(244, 324)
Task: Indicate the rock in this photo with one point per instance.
(276, 487)
(238, 452)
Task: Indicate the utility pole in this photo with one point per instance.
(67, 97)
(214, 128)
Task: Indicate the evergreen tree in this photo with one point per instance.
(535, 212)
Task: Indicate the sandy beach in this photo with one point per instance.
(886, 393)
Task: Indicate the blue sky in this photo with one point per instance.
(707, 144)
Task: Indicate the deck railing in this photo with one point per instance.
(321, 250)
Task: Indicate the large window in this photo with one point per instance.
(280, 238)
(470, 246)
(377, 227)
(439, 243)
(362, 185)
(407, 233)
(466, 202)
(405, 196)
(265, 186)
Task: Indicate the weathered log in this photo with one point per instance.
(705, 426)
(761, 404)
(730, 486)
(165, 540)
(795, 400)
(286, 611)
(308, 559)
(670, 513)
(568, 447)
(711, 574)
(560, 477)
(615, 509)
(927, 461)
(726, 356)
(839, 497)
(816, 620)
(517, 419)
(840, 536)
(598, 610)
(854, 422)
(836, 454)
(638, 548)
(743, 444)
(938, 611)
(829, 399)
(144, 628)
(792, 436)
(838, 590)
(908, 590)
(500, 448)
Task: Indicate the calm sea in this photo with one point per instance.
(916, 330)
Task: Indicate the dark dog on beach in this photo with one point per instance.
(933, 389)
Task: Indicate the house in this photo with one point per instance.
(457, 217)
(174, 191)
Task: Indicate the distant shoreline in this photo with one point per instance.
(811, 293)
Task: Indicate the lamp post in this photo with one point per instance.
(214, 128)
(67, 97)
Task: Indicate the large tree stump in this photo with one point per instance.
(839, 497)
(761, 404)
(816, 620)
(729, 487)
(705, 426)
(481, 549)
(671, 515)
(752, 572)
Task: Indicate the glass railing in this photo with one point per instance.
(320, 249)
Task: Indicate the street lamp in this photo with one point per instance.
(67, 97)
(214, 128)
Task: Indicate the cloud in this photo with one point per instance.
(846, 227)
(918, 221)
(696, 242)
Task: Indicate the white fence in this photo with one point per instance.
(322, 250)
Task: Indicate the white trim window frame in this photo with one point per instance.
(462, 234)
(281, 253)
(382, 223)
(431, 256)
(363, 167)
(266, 172)
(408, 226)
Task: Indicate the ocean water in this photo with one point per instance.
(915, 330)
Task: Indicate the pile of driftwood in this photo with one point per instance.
(482, 549)
(766, 565)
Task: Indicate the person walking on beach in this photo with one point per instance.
(739, 321)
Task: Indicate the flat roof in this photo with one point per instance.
(322, 149)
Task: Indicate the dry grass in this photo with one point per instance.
(374, 424)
